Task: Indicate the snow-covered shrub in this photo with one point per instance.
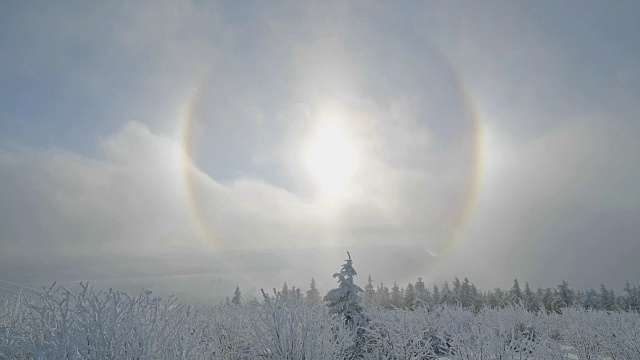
(59, 324)
(397, 334)
(596, 334)
(624, 330)
(226, 331)
(89, 324)
(14, 334)
(508, 333)
(287, 328)
(464, 332)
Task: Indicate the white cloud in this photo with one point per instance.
(273, 70)
(544, 209)
(133, 202)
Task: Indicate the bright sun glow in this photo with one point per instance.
(331, 157)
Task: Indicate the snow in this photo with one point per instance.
(91, 324)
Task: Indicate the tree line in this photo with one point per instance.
(465, 294)
(291, 324)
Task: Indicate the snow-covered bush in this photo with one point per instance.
(509, 333)
(14, 333)
(398, 334)
(226, 331)
(287, 328)
(89, 324)
(596, 334)
(582, 330)
(59, 324)
(624, 328)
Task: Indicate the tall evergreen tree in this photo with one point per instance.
(631, 297)
(539, 296)
(422, 294)
(383, 296)
(515, 294)
(237, 297)
(446, 295)
(396, 297)
(607, 298)
(465, 297)
(492, 300)
(369, 293)
(566, 296)
(410, 297)
(285, 291)
(344, 300)
(478, 300)
(501, 296)
(313, 295)
(548, 301)
(591, 300)
(437, 299)
(530, 300)
(456, 290)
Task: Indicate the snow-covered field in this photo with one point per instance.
(59, 324)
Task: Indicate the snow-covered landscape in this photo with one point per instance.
(91, 324)
(200, 179)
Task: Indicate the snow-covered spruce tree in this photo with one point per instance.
(313, 295)
(237, 296)
(369, 293)
(344, 300)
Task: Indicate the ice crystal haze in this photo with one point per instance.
(344, 300)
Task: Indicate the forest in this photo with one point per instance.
(349, 322)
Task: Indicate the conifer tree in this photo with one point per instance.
(607, 298)
(548, 301)
(369, 293)
(632, 297)
(422, 294)
(446, 296)
(466, 298)
(492, 300)
(456, 291)
(501, 297)
(515, 293)
(437, 300)
(565, 294)
(383, 296)
(396, 297)
(344, 300)
(285, 291)
(539, 296)
(409, 297)
(590, 299)
(478, 300)
(530, 300)
(237, 297)
(313, 295)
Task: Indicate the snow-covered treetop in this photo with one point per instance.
(345, 300)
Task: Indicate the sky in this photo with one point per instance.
(191, 146)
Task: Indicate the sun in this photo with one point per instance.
(331, 157)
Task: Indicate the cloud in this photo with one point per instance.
(243, 206)
(555, 207)
(133, 202)
(131, 208)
